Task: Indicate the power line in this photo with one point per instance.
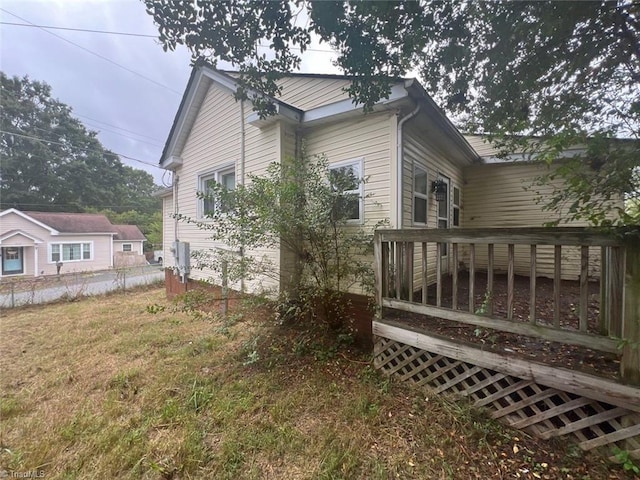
(4, 91)
(44, 140)
(51, 27)
(45, 130)
(130, 34)
(96, 54)
(115, 126)
(100, 129)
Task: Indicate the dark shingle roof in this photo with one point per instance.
(128, 232)
(74, 222)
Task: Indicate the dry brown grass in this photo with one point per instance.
(102, 388)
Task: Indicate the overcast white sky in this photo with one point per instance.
(132, 114)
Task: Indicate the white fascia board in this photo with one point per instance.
(189, 103)
(326, 112)
(282, 113)
(28, 218)
(171, 163)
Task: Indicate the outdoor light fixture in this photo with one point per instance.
(439, 187)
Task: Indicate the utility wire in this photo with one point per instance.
(96, 54)
(44, 140)
(107, 32)
(51, 27)
(101, 129)
(115, 126)
(85, 124)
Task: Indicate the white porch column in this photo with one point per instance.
(36, 270)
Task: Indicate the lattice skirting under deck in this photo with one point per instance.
(558, 406)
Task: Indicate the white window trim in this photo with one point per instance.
(359, 163)
(50, 251)
(419, 195)
(447, 180)
(130, 245)
(455, 206)
(211, 175)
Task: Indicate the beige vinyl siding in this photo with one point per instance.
(168, 231)
(366, 138)
(288, 141)
(498, 196)
(306, 92)
(419, 150)
(215, 142)
(481, 145)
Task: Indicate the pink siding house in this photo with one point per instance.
(37, 243)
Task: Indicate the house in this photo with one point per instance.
(34, 243)
(404, 147)
(128, 244)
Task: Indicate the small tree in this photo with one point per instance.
(303, 208)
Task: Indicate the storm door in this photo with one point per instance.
(12, 260)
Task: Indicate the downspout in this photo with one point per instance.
(241, 177)
(175, 206)
(400, 160)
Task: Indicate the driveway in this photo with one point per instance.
(71, 286)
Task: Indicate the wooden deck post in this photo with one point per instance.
(630, 362)
(379, 272)
(604, 318)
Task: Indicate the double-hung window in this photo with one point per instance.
(420, 195)
(456, 206)
(70, 252)
(225, 177)
(126, 247)
(346, 178)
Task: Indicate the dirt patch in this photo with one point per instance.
(551, 353)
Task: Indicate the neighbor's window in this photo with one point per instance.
(126, 247)
(70, 252)
(420, 193)
(346, 178)
(225, 177)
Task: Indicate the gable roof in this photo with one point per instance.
(128, 232)
(29, 219)
(13, 233)
(74, 222)
(203, 75)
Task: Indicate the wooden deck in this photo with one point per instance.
(545, 400)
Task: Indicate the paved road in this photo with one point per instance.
(73, 286)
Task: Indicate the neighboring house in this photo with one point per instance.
(128, 243)
(401, 148)
(33, 243)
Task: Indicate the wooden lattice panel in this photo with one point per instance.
(524, 404)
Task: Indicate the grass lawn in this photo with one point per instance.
(105, 388)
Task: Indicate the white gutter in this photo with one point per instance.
(400, 160)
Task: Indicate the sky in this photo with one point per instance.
(127, 88)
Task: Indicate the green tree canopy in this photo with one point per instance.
(51, 162)
(563, 72)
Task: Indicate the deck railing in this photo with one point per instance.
(413, 265)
